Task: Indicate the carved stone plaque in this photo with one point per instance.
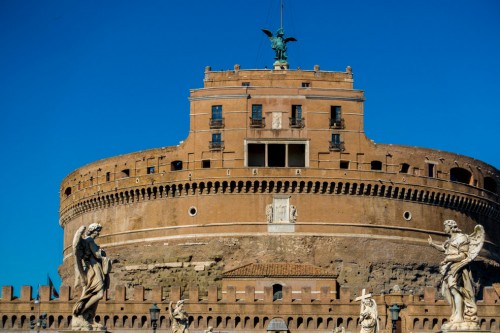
(276, 120)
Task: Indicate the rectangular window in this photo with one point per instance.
(216, 121)
(296, 120)
(150, 170)
(277, 154)
(216, 111)
(335, 139)
(108, 176)
(297, 155)
(431, 170)
(297, 111)
(216, 142)
(245, 84)
(336, 120)
(205, 164)
(256, 154)
(216, 137)
(257, 111)
(344, 164)
(306, 84)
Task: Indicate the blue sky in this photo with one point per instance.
(85, 80)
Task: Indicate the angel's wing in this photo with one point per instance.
(290, 39)
(476, 241)
(78, 252)
(267, 32)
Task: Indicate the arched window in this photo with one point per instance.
(67, 191)
(277, 292)
(176, 166)
(490, 184)
(460, 175)
(404, 168)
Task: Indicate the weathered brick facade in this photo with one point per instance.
(277, 169)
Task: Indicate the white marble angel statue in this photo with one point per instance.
(92, 269)
(178, 317)
(457, 285)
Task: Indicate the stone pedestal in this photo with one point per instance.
(280, 65)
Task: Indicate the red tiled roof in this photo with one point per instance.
(279, 270)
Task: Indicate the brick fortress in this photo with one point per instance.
(275, 206)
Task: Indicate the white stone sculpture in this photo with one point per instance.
(457, 285)
(293, 214)
(92, 269)
(368, 315)
(178, 317)
(269, 213)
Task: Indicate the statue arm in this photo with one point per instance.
(439, 247)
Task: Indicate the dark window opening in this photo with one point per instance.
(306, 84)
(245, 84)
(376, 165)
(336, 143)
(276, 154)
(256, 154)
(404, 168)
(125, 173)
(277, 292)
(176, 165)
(108, 176)
(344, 164)
(296, 120)
(297, 155)
(216, 111)
(490, 184)
(205, 164)
(460, 175)
(336, 120)
(216, 142)
(431, 170)
(257, 120)
(67, 191)
(216, 121)
(150, 170)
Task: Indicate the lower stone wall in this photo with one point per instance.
(305, 312)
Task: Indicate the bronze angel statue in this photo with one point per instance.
(92, 269)
(278, 44)
(457, 285)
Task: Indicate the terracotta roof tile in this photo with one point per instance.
(279, 270)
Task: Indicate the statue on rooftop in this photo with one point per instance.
(92, 269)
(457, 285)
(278, 44)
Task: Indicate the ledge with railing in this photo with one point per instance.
(216, 145)
(297, 122)
(216, 122)
(337, 146)
(257, 122)
(337, 123)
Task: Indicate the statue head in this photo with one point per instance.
(94, 227)
(451, 225)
